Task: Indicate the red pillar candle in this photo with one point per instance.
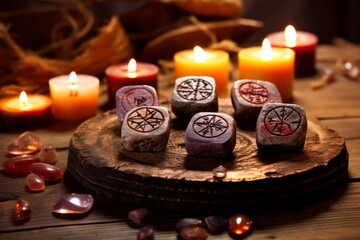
(25, 112)
(130, 74)
(304, 45)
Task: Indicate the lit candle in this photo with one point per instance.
(304, 45)
(24, 111)
(75, 97)
(266, 63)
(133, 73)
(199, 62)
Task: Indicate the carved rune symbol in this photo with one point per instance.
(139, 101)
(146, 119)
(282, 121)
(195, 89)
(254, 93)
(137, 97)
(210, 126)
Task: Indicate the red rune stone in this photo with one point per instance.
(138, 215)
(74, 204)
(193, 233)
(249, 96)
(35, 183)
(27, 143)
(210, 134)
(146, 129)
(22, 211)
(239, 225)
(19, 166)
(48, 155)
(46, 171)
(281, 127)
(129, 97)
(194, 94)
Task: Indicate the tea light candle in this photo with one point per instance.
(303, 43)
(75, 97)
(265, 63)
(133, 73)
(199, 62)
(25, 111)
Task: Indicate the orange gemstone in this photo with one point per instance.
(46, 171)
(19, 166)
(22, 211)
(35, 183)
(239, 225)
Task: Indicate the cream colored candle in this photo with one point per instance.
(74, 97)
(199, 62)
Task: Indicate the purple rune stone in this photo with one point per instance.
(27, 143)
(194, 94)
(215, 224)
(146, 129)
(210, 134)
(129, 97)
(249, 96)
(193, 233)
(146, 233)
(281, 127)
(138, 215)
(187, 222)
(74, 204)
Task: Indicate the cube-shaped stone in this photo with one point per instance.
(146, 129)
(129, 97)
(194, 94)
(210, 134)
(249, 96)
(281, 126)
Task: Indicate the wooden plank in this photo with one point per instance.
(333, 217)
(354, 158)
(349, 128)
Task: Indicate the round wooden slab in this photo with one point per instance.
(174, 180)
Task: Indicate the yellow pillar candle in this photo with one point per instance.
(74, 97)
(199, 62)
(265, 63)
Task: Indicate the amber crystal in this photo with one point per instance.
(22, 211)
(35, 183)
(239, 225)
(74, 204)
(138, 215)
(48, 154)
(193, 233)
(146, 233)
(26, 143)
(219, 172)
(46, 171)
(19, 166)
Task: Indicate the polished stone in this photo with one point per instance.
(239, 225)
(138, 215)
(46, 171)
(210, 134)
(22, 211)
(215, 224)
(27, 143)
(187, 222)
(194, 94)
(35, 183)
(249, 96)
(146, 233)
(146, 129)
(74, 204)
(19, 166)
(219, 172)
(129, 97)
(193, 233)
(48, 154)
(281, 127)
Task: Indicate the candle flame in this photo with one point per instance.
(290, 36)
(199, 54)
(266, 50)
(72, 79)
(132, 68)
(24, 101)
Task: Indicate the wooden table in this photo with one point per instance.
(334, 216)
